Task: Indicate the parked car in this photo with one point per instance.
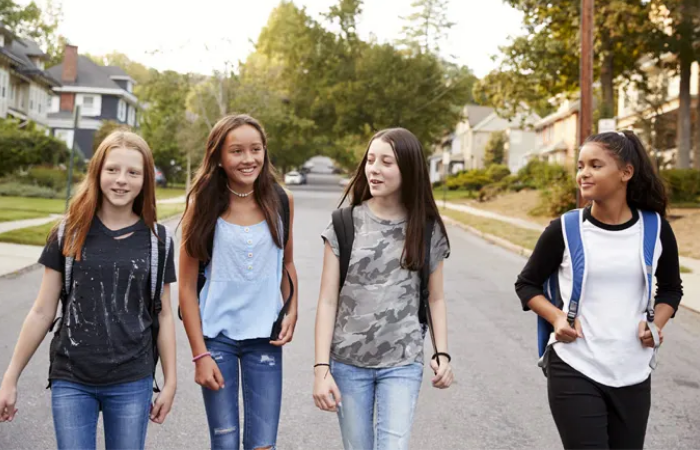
(294, 177)
(160, 178)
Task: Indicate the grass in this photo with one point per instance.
(686, 270)
(439, 194)
(170, 192)
(169, 210)
(21, 208)
(519, 236)
(28, 236)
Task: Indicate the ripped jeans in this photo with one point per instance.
(261, 380)
(394, 393)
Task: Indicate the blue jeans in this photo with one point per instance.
(125, 413)
(261, 375)
(394, 391)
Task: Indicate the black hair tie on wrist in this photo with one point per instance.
(321, 364)
(446, 355)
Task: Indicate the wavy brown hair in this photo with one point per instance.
(88, 199)
(209, 197)
(416, 191)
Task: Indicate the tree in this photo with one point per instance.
(547, 57)
(494, 152)
(427, 26)
(30, 21)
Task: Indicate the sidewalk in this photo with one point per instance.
(17, 224)
(691, 281)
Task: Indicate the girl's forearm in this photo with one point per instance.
(438, 312)
(34, 329)
(166, 348)
(325, 322)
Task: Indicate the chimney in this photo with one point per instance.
(70, 64)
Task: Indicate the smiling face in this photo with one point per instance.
(122, 177)
(382, 170)
(599, 175)
(243, 157)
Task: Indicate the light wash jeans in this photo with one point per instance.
(394, 391)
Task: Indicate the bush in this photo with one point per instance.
(14, 189)
(557, 199)
(683, 184)
(20, 148)
(51, 177)
(497, 172)
(539, 174)
(472, 180)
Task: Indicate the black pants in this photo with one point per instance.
(591, 415)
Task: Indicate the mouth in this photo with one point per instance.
(120, 191)
(587, 185)
(247, 170)
(375, 182)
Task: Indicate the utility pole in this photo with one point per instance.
(585, 118)
(76, 123)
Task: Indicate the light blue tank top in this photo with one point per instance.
(241, 297)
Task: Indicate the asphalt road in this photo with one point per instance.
(497, 401)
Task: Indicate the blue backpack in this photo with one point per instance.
(571, 225)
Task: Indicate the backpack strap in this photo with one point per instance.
(571, 223)
(651, 229)
(345, 232)
(159, 255)
(284, 213)
(424, 313)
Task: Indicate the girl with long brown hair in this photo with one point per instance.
(104, 352)
(369, 327)
(236, 225)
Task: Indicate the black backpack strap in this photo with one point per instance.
(284, 207)
(156, 303)
(345, 232)
(424, 312)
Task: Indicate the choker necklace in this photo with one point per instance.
(236, 193)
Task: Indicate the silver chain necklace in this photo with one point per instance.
(238, 194)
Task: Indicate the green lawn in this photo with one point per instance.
(165, 193)
(448, 195)
(19, 208)
(519, 236)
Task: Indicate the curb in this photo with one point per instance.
(522, 251)
(11, 275)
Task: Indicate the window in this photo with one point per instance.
(129, 86)
(40, 101)
(65, 135)
(132, 116)
(121, 110)
(88, 102)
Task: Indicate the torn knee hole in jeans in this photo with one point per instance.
(218, 431)
(216, 356)
(267, 359)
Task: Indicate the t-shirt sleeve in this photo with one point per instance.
(545, 259)
(170, 276)
(329, 236)
(52, 257)
(669, 287)
(439, 247)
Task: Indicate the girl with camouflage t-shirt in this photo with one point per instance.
(369, 338)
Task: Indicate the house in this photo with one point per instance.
(653, 114)
(472, 142)
(103, 92)
(25, 87)
(520, 138)
(557, 134)
(447, 158)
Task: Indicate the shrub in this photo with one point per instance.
(539, 174)
(683, 184)
(472, 180)
(497, 172)
(23, 148)
(557, 199)
(51, 177)
(14, 189)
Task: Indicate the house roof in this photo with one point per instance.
(574, 106)
(496, 123)
(20, 52)
(90, 75)
(475, 113)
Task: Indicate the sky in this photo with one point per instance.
(201, 35)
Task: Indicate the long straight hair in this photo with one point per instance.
(209, 197)
(646, 189)
(416, 192)
(88, 199)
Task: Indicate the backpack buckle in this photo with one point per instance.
(571, 318)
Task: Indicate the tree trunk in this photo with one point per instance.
(696, 144)
(684, 134)
(607, 85)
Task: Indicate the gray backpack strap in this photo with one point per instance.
(68, 263)
(154, 261)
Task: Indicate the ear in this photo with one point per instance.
(627, 172)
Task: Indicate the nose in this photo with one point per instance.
(121, 179)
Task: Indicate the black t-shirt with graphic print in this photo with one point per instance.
(105, 336)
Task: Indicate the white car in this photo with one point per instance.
(293, 177)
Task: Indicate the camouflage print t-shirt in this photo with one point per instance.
(377, 321)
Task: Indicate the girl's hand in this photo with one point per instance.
(326, 392)
(287, 333)
(8, 400)
(563, 331)
(207, 374)
(163, 404)
(444, 376)
(645, 336)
